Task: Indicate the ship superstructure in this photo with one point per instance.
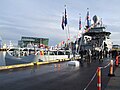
(96, 38)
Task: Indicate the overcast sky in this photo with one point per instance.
(42, 18)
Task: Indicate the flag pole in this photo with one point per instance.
(80, 28)
(79, 21)
(66, 25)
(68, 32)
(66, 35)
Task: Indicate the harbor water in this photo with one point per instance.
(2, 58)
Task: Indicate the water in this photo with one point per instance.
(2, 58)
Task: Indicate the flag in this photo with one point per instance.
(88, 20)
(63, 42)
(62, 22)
(68, 39)
(65, 17)
(80, 25)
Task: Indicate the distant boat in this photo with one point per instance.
(13, 59)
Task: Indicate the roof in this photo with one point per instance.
(97, 33)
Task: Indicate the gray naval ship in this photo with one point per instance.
(95, 39)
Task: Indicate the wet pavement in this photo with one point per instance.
(114, 82)
(57, 76)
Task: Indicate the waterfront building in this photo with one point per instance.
(34, 41)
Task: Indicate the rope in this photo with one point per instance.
(106, 65)
(95, 75)
(91, 80)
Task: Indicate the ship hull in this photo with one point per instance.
(12, 60)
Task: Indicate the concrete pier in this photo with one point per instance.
(54, 76)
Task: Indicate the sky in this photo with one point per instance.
(42, 18)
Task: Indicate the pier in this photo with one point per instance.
(56, 76)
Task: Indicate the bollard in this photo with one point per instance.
(111, 72)
(99, 78)
(117, 61)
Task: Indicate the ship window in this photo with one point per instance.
(108, 37)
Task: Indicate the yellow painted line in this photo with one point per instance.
(15, 66)
(40, 63)
(54, 61)
(31, 64)
(67, 59)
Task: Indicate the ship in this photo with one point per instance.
(95, 38)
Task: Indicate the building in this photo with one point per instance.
(34, 41)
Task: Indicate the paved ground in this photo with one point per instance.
(114, 82)
(58, 76)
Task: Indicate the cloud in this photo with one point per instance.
(42, 18)
(115, 33)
